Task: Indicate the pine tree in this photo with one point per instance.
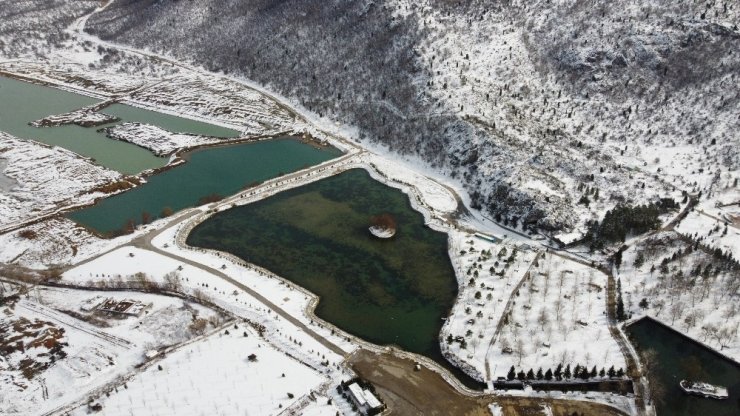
(620, 372)
(539, 374)
(521, 376)
(611, 373)
(530, 374)
(620, 308)
(566, 373)
(548, 374)
(512, 374)
(602, 373)
(593, 372)
(559, 372)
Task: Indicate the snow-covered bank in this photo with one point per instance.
(47, 178)
(160, 141)
(85, 117)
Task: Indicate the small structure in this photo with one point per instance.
(127, 307)
(703, 389)
(489, 238)
(364, 399)
(383, 226)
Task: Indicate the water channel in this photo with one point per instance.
(221, 170)
(24, 102)
(678, 357)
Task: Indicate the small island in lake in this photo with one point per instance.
(383, 226)
(703, 389)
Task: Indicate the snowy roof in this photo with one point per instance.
(358, 394)
(372, 401)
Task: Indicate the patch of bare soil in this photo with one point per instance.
(424, 392)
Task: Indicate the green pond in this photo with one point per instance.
(677, 358)
(221, 170)
(393, 291)
(23, 102)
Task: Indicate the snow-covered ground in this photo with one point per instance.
(160, 141)
(486, 282)
(56, 241)
(711, 231)
(128, 264)
(557, 315)
(685, 288)
(46, 178)
(215, 376)
(96, 348)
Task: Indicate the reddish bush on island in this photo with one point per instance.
(383, 221)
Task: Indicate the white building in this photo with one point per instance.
(365, 400)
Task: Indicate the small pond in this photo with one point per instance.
(679, 357)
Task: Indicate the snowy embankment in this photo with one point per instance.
(685, 288)
(713, 231)
(161, 142)
(46, 178)
(216, 99)
(85, 117)
(96, 349)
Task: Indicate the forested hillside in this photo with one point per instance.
(549, 112)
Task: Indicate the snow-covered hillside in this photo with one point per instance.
(532, 105)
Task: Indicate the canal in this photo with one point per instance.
(677, 357)
(24, 102)
(215, 171)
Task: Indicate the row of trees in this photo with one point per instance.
(560, 373)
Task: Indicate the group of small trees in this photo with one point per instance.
(560, 373)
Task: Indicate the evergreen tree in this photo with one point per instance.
(512, 374)
(539, 374)
(620, 372)
(620, 308)
(602, 373)
(530, 374)
(566, 373)
(521, 376)
(611, 373)
(559, 372)
(593, 372)
(639, 260)
(548, 374)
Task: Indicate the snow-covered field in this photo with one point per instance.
(45, 178)
(712, 232)
(556, 316)
(486, 282)
(559, 318)
(685, 288)
(96, 348)
(215, 376)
